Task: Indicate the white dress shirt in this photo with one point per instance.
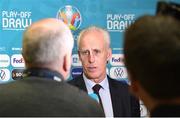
(104, 93)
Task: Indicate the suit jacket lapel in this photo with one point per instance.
(115, 98)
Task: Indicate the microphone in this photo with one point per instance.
(94, 96)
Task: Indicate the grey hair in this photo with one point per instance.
(47, 47)
(95, 28)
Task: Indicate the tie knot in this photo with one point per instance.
(96, 88)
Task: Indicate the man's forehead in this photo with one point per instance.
(93, 33)
(98, 48)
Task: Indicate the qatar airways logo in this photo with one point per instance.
(17, 60)
(117, 60)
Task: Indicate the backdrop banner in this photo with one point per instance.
(113, 15)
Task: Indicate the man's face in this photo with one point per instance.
(94, 54)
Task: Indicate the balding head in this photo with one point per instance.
(46, 42)
(49, 24)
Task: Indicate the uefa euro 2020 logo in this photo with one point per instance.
(71, 16)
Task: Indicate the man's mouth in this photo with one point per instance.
(92, 69)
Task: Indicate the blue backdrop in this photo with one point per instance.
(113, 15)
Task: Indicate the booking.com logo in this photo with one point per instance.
(71, 16)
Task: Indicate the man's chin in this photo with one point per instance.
(92, 76)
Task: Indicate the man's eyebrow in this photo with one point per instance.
(92, 49)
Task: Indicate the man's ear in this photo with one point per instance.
(67, 64)
(109, 54)
(79, 56)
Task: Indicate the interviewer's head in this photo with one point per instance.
(48, 44)
(152, 58)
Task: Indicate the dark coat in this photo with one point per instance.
(123, 103)
(166, 110)
(37, 96)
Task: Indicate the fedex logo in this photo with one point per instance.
(17, 60)
(117, 60)
(75, 60)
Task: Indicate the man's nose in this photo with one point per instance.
(91, 57)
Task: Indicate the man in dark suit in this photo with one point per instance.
(152, 58)
(94, 52)
(47, 47)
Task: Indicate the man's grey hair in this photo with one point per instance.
(95, 28)
(47, 47)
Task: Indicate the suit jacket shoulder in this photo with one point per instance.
(78, 82)
(45, 97)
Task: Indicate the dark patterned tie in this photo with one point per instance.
(96, 89)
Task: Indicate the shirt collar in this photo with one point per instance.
(90, 84)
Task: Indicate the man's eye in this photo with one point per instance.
(85, 52)
(97, 51)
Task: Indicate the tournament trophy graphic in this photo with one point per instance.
(71, 16)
